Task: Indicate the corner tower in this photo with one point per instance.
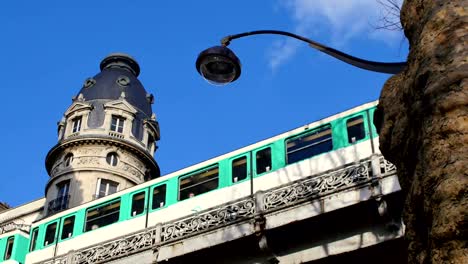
(106, 138)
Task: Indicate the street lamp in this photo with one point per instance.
(219, 65)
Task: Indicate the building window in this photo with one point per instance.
(112, 159)
(61, 201)
(150, 143)
(239, 169)
(309, 144)
(49, 237)
(138, 203)
(117, 124)
(33, 239)
(68, 159)
(9, 248)
(159, 197)
(68, 226)
(63, 188)
(263, 160)
(76, 124)
(356, 130)
(102, 215)
(106, 187)
(198, 183)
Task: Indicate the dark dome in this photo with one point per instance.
(118, 74)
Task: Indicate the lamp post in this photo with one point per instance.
(219, 65)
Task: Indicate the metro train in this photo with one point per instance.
(320, 146)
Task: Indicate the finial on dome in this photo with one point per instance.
(122, 61)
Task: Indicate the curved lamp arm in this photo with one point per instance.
(384, 67)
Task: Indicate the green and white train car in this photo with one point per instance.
(336, 141)
(13, 247)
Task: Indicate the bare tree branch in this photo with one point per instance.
(390, 15)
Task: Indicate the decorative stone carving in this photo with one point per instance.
(120, 105)
(316, 186)
(56, 170)
(89, 151)
(215, 218)
(87, 161)
(111, 250)
(135, 162)
(386, 166)
(78, 106)
(17, 225)
(133, 172)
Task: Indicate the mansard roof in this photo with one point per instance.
(118, 74)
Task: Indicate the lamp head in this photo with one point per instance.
(218, 65)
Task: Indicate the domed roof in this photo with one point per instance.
(118, 74)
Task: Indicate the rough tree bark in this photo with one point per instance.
(424, 129)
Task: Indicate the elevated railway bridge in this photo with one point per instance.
(347, 213)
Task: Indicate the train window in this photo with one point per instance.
(67, 228)
(309, 145)
(239, 169)
(263, 160)
(159, 197)
(198, 183)
(33, 239)
(102, 215)
(9, 248)
(50, 234)
(355, 128)
(138, 203)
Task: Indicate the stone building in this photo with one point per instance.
(106, 138)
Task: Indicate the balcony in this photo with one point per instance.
(58, 204)
(116, 134)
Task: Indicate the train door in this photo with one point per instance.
(69, 227)
(358, 136)
(239, 175)
(6, 245)
(262, 160)
(240, 168)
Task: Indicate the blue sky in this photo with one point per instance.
(49, 48)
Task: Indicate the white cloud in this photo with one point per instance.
(336, 21)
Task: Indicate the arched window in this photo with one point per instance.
(112, 159)
(68, 159)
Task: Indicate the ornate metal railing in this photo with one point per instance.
(311, 188)
(317, 186)
(130, 244)
(208, 220)
(58, 204)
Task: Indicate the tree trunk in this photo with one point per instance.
(423, 116)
